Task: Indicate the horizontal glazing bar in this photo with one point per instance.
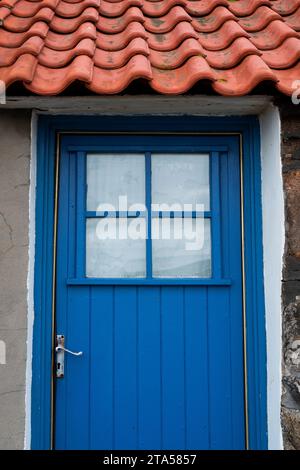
(149, 282)
(158, 214)
(129, 148)
(181, 214)
(115, 215)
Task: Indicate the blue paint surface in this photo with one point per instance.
(171, 352)
(163, 364)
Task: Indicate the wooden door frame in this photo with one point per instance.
(49, 130)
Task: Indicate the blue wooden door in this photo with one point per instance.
(156, 309)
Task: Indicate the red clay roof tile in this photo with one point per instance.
(114, 81)
(10, 39)
(170, 41)
(247, 7)
(168, 60)
(8, 3)
(118, 41)
(223, 37)
(284, 56)
(48, 81)
(273, 35)
(244, 77)
(293, 20)
(166, 23)
(27, 9)
(285, 7)
(71, 10)
(69, 25)
(171, 44)
(116, 25)
(287, 78)
(111, 60)
(22, 69)
(259, 19)
(180, 80)
(204, 7)
(57, 59)
(157, 9)
(232, 55)
(213, 21)
(114, 10)
(66, 42)
(33, 46)
(17, 24)
(4, 13)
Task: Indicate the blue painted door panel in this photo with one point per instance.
(163, 361)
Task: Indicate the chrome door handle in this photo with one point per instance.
(61, 348)
(60, 355)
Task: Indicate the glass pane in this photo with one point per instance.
(182, 179)
(181, 247)
(112, 175)
(112, 251)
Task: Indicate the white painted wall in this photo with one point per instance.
(273, 243)
(30, 282)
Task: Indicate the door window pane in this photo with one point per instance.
(112, 175)
(182, 179)
(181, 248)
(108, 254)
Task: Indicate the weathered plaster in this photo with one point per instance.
(14, 188)
(30, 281)
(273, 244)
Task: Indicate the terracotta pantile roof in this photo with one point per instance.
(172, 44)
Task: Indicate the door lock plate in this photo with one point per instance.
(60, 356)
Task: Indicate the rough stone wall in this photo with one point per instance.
(14, 197)
(290, 116)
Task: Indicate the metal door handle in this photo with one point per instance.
(60, 355)
(61, 348)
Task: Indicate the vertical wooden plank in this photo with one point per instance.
(173, 370)
(65, 266)
(196, 368)
(80, 215)
(219, 340)
(237, 364)
(77, 369)
(149, 368)
(102, 366)
(236, 310)
(125, 368)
